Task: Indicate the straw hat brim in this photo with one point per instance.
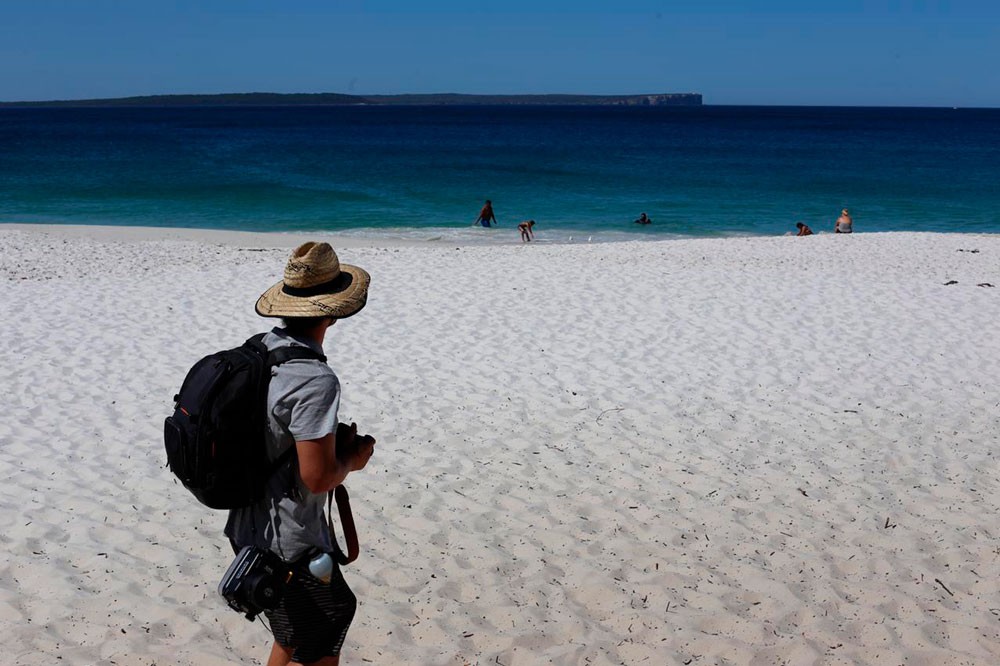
(344, 297)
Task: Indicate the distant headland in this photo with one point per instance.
(338, 99)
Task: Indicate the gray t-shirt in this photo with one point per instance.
(302, 402)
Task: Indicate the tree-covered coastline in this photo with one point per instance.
(338, 99)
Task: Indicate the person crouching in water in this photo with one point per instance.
(311, 621)
(525, 228)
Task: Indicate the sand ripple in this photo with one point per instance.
(739, 451)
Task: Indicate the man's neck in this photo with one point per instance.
(317, 335)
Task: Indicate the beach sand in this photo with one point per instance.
(741, 451)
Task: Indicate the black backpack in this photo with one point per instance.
(215, 438)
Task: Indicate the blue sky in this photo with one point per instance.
(849, 52)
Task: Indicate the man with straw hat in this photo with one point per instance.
(311, 621)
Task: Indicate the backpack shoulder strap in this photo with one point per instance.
(257, 343)
(275, 358)
(283, 354)
(281, 460)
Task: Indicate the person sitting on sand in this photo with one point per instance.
(845, 224)
(525, 229)
(803, 230)
(486, 215)
(643, 219)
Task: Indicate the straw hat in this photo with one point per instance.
(316, 284)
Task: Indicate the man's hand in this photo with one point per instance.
(363, 452)
(353, 450)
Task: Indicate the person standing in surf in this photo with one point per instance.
(486, 215)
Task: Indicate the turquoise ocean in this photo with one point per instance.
(581, 172)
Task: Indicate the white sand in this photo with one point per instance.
(739, 451)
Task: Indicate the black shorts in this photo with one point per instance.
(313, 616)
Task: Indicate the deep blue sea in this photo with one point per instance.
(424, 172)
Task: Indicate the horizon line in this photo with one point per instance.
(93, 100)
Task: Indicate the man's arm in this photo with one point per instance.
(319, 466)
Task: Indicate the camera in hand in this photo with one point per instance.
(346, 441)
(255, 581)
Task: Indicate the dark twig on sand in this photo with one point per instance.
(613, 409)
(938, 581)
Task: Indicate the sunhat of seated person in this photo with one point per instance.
(316, 284)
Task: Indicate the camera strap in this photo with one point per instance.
(346, 524)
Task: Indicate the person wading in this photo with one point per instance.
(486, 216)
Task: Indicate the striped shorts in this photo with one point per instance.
(313, 616)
